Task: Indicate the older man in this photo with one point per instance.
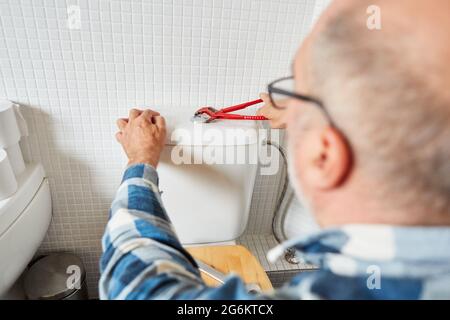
(368, 120)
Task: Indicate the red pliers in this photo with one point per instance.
(208, 114)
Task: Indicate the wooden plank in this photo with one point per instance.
(232, 258)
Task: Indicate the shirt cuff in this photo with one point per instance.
(141, 170)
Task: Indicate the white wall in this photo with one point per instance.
(163, 54)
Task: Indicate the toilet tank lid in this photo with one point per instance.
(181, 130)
(28, 182)
(5, 105)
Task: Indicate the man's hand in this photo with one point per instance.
(142, 136)
(275, 116)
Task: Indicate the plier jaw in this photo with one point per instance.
(205, 115)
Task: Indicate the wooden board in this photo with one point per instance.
(234, 258)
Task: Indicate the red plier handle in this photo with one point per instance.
(225, 112)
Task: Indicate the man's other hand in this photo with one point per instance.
(276, 116)
(142, 136)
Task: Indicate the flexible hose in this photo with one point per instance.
(285, 197)
(279, 215)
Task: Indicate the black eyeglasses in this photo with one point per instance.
(275, 88)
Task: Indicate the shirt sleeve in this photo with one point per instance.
(142, 256)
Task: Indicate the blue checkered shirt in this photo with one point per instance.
(143, 258)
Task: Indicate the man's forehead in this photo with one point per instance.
(300, 57)
(303, 56)
(299, 65)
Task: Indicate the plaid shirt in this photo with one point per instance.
(143, 258)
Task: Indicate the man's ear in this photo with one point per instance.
(329, 159)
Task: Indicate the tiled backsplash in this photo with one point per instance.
(75, 79)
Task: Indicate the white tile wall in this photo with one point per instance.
(167, 54)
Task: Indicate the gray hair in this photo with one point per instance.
(391, 103)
